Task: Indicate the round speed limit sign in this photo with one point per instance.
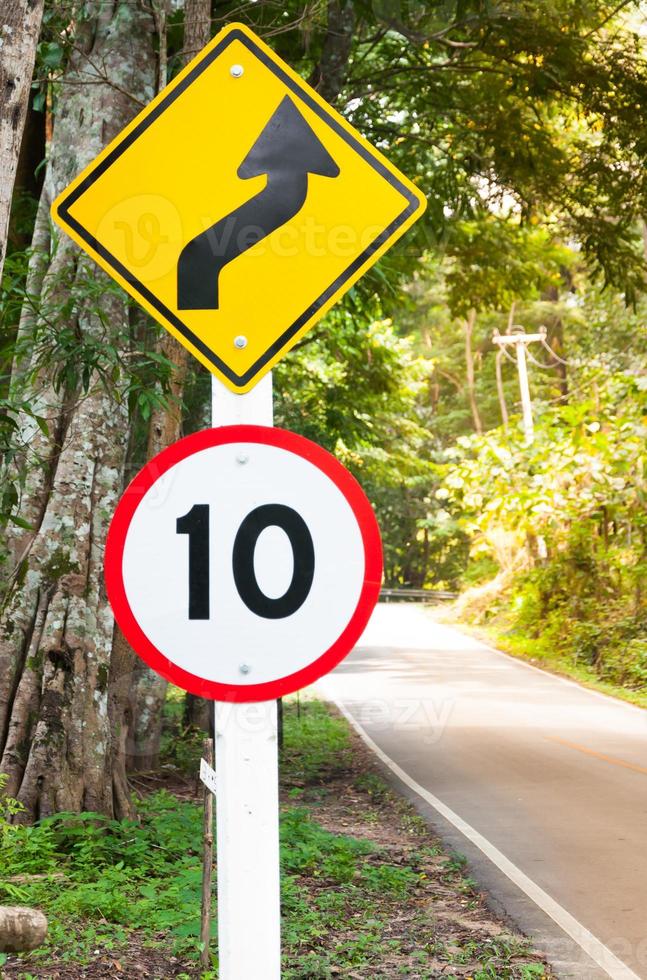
(243, 563)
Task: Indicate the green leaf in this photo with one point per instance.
(51, 54)
(20, 522)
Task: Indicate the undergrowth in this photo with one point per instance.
(100, 881)
(575, 614)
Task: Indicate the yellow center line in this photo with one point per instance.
(598, 755)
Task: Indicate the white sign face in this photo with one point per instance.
(208, 776)
(243, 563)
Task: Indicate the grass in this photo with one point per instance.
(355, 903)
(99, 879)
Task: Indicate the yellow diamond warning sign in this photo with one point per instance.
(238, 207)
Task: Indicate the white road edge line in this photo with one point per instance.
(597, 951)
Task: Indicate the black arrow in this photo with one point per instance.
(287, 151)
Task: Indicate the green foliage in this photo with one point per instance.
(70, 340)
(494, 263)
(586, 463)
(102, 878)
(9, 807)
(313, 740)
(98, 879)
(360, 390)
(308, 849)
(66, 338)
(585, 609)
(513, 108)
(353, 387)
(181, 744)
(574, 501)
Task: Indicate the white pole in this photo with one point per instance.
(247, 796)
(526, 404)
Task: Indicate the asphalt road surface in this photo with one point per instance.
(540, 783)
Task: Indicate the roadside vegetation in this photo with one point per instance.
(558, 536)
(524, 125)
(545, 538)
(367, 889)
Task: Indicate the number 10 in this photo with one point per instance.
(196, 523)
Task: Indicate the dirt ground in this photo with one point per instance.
(446, 906)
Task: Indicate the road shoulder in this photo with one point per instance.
(499, 894)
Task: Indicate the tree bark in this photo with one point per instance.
(500, 389)
(149, 691)
(468, 329)
(198, 713)
(197, 27)
(29, 174)
(147, 697)
(19, 30)
(63, 712)
(329, 75)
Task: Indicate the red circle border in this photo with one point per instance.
(160, 464)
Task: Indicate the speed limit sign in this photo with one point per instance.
(243, 563)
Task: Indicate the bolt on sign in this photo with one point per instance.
(238, 207)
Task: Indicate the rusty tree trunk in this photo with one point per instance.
(19, 30)
(63, 679)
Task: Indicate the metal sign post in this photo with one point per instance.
(247, 841)
(243, 562)
(247, 786)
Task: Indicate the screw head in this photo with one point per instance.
(242, 459)
(244, 668)
(240, 342)
(236, 71)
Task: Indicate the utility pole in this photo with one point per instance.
(520, 340)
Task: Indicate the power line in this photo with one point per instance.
(553, 353)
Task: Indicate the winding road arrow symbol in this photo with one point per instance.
(287, 151)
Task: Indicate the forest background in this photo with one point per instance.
(525, 124)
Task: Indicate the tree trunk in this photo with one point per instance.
(500, 389)
(29, 176)
(468, 328)
(330, 74)
(198, 713)
(149, 690)
(28, 187)
(19, 30)
(197, 27)
(63, 710)
(147, 696)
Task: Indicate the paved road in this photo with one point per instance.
(540, 783)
